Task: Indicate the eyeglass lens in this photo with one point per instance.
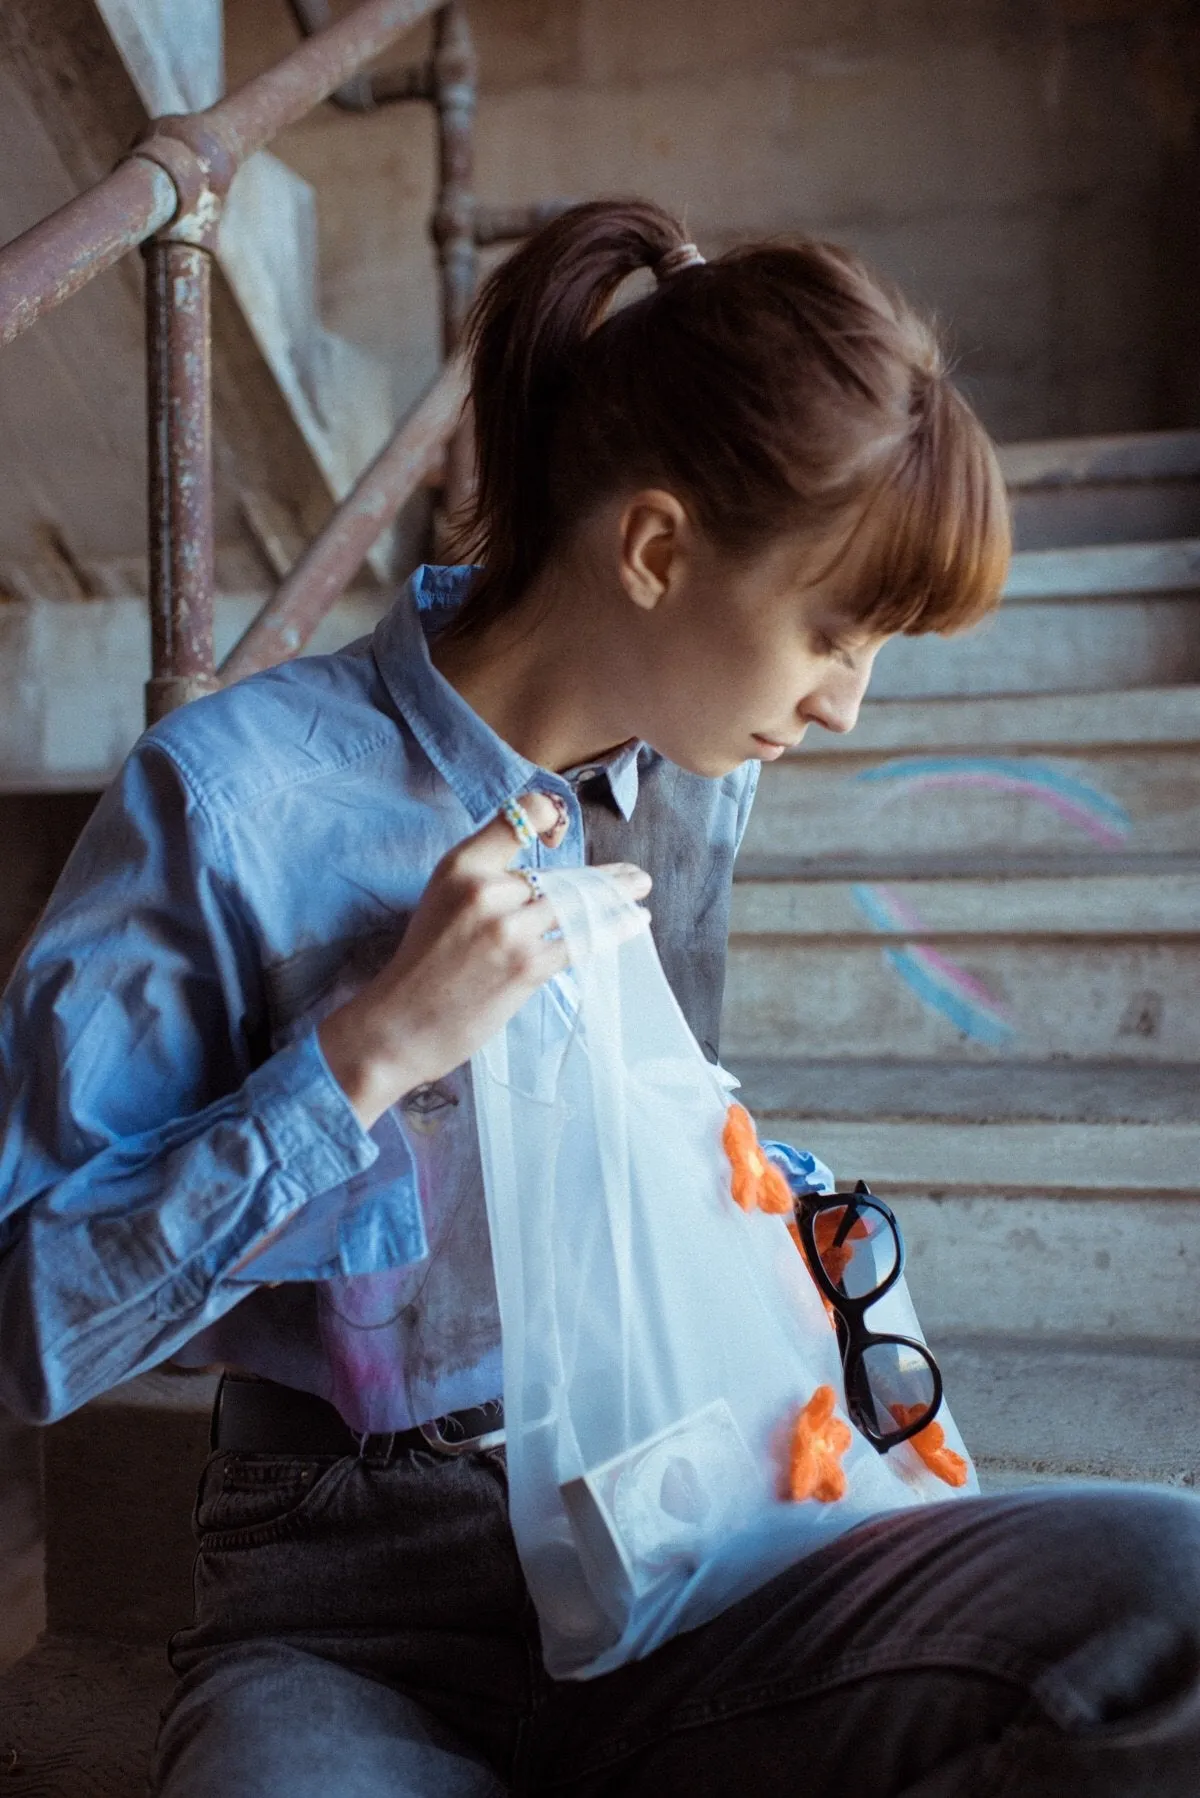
(857, 1246)
(894, 1384)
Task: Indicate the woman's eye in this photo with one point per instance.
(830, 647)
(424, 1101)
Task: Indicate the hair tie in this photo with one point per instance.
(684, 255)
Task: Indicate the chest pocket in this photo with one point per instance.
(315, 981)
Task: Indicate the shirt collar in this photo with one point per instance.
(480, 767)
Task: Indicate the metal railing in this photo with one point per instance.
(167, 195)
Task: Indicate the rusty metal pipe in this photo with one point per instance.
(364, 93)
(455, 84)
(354, 95)
(455, 80)
(331, 560)
(203, 151)
(58, 256)
(247, 119)
(179, 405)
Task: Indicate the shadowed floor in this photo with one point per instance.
(22, 1605)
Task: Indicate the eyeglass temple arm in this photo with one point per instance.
(852, 1213)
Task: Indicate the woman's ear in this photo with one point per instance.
(653, 544)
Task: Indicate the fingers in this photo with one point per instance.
(633, 881)
(525, 930)
(512, 891)
(492, 849)
(480, 868)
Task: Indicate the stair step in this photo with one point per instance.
(1098, 904)
(1130, 512)
(1135, 456)
(78, 672)
(1087, 1409)
(1091, 619)
(78, 1718)
(1152, 717)
(925, 1157)
(1074, 643)
(989, 864)
(1047, 1265)
(120, 1481)
(1104, 570)
(924, 1127)
(1035, 999)
(1083, 801)
(979, 1093)
(1038, 1200)
(1091, 490)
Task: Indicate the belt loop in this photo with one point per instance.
(214, 1422)
(377, 1457)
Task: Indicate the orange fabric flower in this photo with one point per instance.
(930, 1444)
(758, 1184)
(819, 1440)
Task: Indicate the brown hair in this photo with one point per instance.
(780, 388)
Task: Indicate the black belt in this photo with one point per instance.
(254, 1416)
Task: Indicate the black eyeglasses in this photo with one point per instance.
(856, 1254)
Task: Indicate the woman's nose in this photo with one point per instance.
(835, 704)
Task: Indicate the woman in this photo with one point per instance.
(237, 1128)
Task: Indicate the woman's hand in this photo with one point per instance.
(473, 953)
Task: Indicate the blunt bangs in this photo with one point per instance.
(932, 549)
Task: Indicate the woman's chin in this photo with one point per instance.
(710, 762)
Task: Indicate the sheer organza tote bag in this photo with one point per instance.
(677, 1416)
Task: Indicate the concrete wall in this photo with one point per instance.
(1021, 166)
(36, 834)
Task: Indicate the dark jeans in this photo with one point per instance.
(363, 1630)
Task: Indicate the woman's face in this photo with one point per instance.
(739, 657)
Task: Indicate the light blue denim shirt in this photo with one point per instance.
(180, 1174)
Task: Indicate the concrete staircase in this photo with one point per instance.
(965, 964)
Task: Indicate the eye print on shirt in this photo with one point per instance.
(425, 1108)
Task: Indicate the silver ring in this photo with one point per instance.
(533, 881)
(517, 817)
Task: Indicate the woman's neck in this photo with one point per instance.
(543, 676)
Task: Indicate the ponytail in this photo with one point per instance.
(523, 339)
(781, 388)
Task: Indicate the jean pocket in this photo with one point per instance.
(245, 1499)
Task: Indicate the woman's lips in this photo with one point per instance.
(771, 750)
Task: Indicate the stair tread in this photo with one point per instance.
(1092, 912)
(1017, 722)
(1032, 864)
(1076, 1407)
(80, 1715)
(980, 1092)
(1084, 571)
(1092, 461)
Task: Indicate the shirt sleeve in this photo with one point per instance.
(143, 1154)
